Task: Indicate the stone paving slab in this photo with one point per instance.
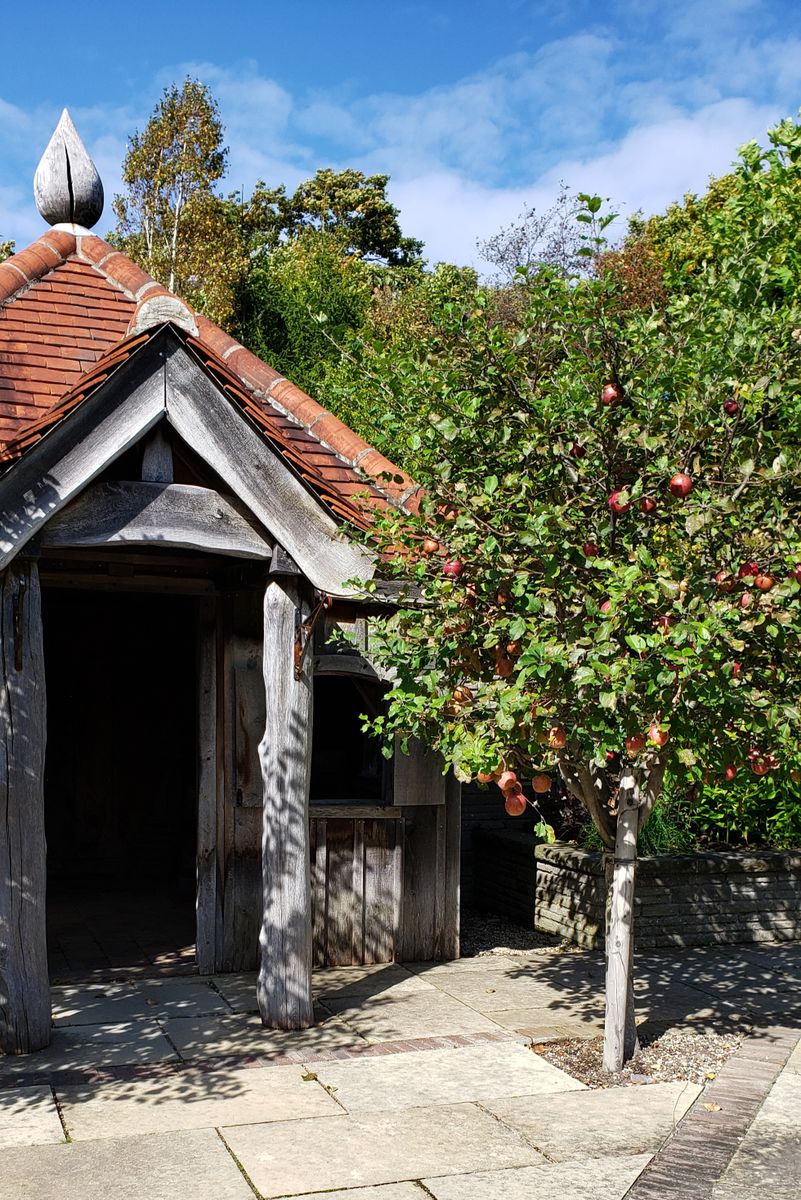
(767, 1164)
(242, 1034)
(632, 1120)
(102, 1004)
(527, 1020)
(475, 1073)
(603, 1178)
(28, 1117)
(95, 1046)
(193, 1100)
(387, 1191)
(385, 1147)
(382, 1018)
(170, 1166)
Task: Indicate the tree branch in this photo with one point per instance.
(591, 787)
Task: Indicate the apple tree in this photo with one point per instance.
(606, 559)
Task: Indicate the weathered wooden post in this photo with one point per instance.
(24, 984)
(285, 939)
(620, 1034)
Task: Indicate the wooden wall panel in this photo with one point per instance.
(24, 982)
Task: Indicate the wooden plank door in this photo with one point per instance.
(356, 871)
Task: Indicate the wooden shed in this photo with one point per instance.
(183, 655)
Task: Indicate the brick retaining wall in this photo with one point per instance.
(680, 900)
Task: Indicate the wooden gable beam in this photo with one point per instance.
(76, 451)
(236, 450)
(156, 514)
(161, 379)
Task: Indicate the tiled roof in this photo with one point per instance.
(68, 315)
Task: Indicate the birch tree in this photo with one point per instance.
(170, 219)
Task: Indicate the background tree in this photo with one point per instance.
(170, 219)
(6, 250)
(348, 204)
(317, 260)
(537, 239)
(609, 547)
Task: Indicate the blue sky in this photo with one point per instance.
(475, 109)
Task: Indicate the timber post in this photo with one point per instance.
(285, 938)
(620, 1031)
(25, 1023)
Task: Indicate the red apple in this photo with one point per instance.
(577, 450)
(657, 735)
(735, 670)
(616, 504)
(513, 648)
(557, 738)
(452, 568)
(647, 504)
(729, 772)
(502, 599)
(541, 784)
(748, 569)
(663, 623)
(634, 744)
(430, 546)
(504, 666)
(731, 407)
(680, 485)
(725, 581)
(606, 607)
(746, 600)
(514, 802)
(764, 582)
(759, 766)
(507, 779)
(462, 694)
(611, 394)
(485, 776)
(449, 513)
(590, 550)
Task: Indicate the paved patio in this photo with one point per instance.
(417, 1080)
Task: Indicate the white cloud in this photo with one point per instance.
(651, 166)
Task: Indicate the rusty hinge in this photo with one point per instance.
(304, 631)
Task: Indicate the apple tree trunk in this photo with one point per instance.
(620, 1029)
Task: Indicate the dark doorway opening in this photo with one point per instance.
(120, 780)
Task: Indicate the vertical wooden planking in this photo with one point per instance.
(381, 891)
(285, 939)
(449, 934)
(242, 798)
(24, 984)
(319, 858)
(418, 930)
(340, 906)
(357, 891)
(208, 896)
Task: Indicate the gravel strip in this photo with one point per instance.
(677, 1055)
(484, 934)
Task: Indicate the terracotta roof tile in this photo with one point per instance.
(67, 305)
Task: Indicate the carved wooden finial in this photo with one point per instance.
(66, 186)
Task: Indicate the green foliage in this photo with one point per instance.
(6, 250)
(352, 206)
(300, 302)
(669, 831)
(519, 458)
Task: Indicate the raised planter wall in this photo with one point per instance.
(680, 900)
